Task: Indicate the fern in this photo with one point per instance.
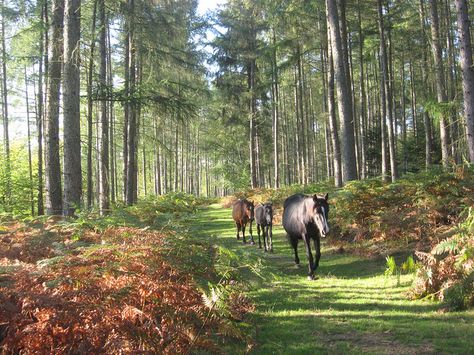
(391, 266)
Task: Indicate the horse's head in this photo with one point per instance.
(268, 212)
(321, 213)
(249, 209)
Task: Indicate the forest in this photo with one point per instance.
(142, 138)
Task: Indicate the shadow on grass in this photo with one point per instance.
(349, 302)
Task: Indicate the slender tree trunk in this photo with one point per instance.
(451, 85)
(467, 73)
(90, 109)
(113, 160)
(332, 117)
(343, 95)
(252, 113)
(39, 116)
(53, 171)
(424, 75)
(362, 99)
(132, 112)
(275, 116)
(71, 99)
(104, 188)
(30, 165)
(6, 138)
(440, 82)
(386, 100)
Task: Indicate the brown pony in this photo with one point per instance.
(242, 213)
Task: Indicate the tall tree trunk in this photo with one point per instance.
(440, 82)
(343, 96)
(72, 117)
(467, 73)
(90, 109)
(333, 122)
(362, 99)
(302, 135)
(30, 165)
(275, 114)
(253, 132)
(6, 138)
(104, 188)
(39, 115)
(424, 75)
(451, 84)
(132, 111)
(53, 171)
(112, 149)
(386, 99)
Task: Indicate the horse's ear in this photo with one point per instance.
(326, 197)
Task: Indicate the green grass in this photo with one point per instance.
(351, 308)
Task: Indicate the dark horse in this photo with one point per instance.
(242, 213)
(264, 221)
(305, 217)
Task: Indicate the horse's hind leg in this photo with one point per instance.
(258, 232)
(294, 244)
(238, 230)
(271, 238)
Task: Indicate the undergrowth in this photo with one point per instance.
(132, 281)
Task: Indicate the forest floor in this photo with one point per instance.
(351, 307)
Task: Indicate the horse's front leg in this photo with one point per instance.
(258, 232)
(309, 255)
(317, 248)
(243, 233)
(265, 233)
(251, 234)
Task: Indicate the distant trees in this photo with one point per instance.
(300, 91)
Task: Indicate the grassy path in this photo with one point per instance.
(351, 308)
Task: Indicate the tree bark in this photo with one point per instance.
(6, 138)
(424, 75)
(343, 96)
(39, 115)
(440, 82)
(467, 73)
(104, 188)
(30, 165)
(90, 108)
(386, 100)
(71, 99)
(132, 112)
(53, 171)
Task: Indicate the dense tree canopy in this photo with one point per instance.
(152, 98)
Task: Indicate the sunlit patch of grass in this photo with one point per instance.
(352, 307)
